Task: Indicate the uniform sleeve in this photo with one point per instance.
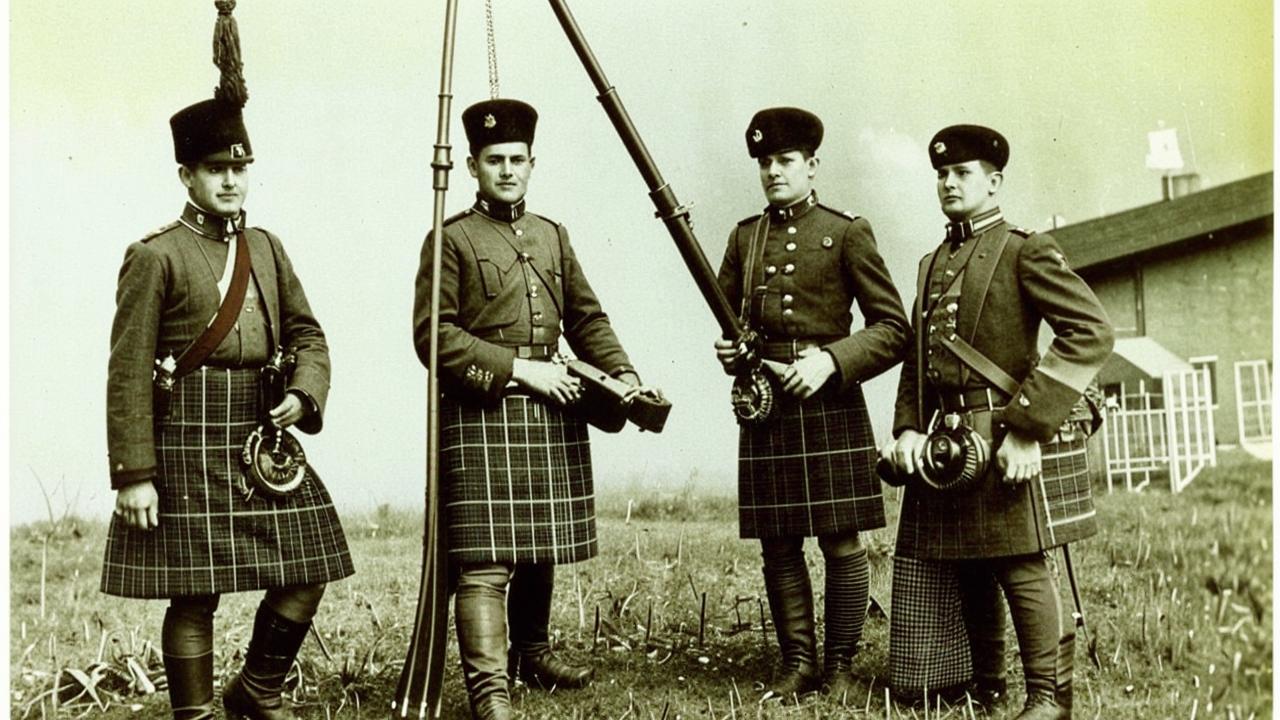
(730, 276)
(1082, 340)
(300, 332)
(140, 292)
(882, 342)
(586, 326)
(481, 368)
(906, 414)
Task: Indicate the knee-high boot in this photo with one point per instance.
(786, 582)
(528, 616)
(186, 639)
(481, 621)
(983, 609)
(844, 613)
(257, 691)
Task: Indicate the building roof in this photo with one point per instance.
(1140, 358)
(1169, 222)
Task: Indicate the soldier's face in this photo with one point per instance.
(968, 188)
(502, 171)
(787, 177)
(219, 188)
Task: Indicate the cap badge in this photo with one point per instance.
(237, 150)
(490, 121)
(940, 147)
(757, 136)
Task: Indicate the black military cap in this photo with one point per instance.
(962, 143)
(210, 130)
(498, 121)
(780, 129)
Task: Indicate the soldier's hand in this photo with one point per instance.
(1018, 458)
(647, 390)
(906, 451)
(547, 378)
(138, 505)
(288, 412)
(728, 352)
(807, 375)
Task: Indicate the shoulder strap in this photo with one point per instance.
(228, 311)
(981, 364)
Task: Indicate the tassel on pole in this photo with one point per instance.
(226, 55)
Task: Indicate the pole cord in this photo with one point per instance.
(492, 45)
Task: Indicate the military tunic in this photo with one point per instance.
(1027, 282)
(515, 468)
(211, 539)
(796, 272)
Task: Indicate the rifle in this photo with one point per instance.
(421, 681)
(752, 396)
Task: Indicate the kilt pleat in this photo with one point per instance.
(928, 644)
(516, 483)
(210, 539)
(810, 469)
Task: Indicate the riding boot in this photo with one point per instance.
(257, 691)
(983, 608)
(786, 582)
(187, 642)
(529, 615)
(480, 619)
(844, 612)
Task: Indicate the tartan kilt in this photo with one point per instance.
(995, 520)
(210, 539)
(809, 469)
(928, 644)
(516, 483)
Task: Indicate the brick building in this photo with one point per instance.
(1193, 276)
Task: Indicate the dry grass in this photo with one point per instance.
(1178, 591)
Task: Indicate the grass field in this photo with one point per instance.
(1178, 592)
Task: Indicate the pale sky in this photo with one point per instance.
(342, 116)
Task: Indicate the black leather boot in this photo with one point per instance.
(187, 642)
(257, 691)
(786, 582)
(481, 622)
(844, 612)
(529, 615)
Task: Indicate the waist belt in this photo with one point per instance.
(789, 350)
(535, 352)
(971, 400)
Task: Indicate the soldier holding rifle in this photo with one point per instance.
(795, 272)
(515, 463)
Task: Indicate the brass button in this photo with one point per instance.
(791, 230)
(787, 299)
(524, 257)
(791, 247)
(537, 316)
(788, 268)
(827, 242)
(248, 308)
(519, 232)
(949, 273)
(1023, 401)
(788, 312)
(771, 270)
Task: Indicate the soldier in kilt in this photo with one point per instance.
(795, 271)
(991, 285)
(185, 525)
(515, 464)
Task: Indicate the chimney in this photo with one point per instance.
(1176, 186)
